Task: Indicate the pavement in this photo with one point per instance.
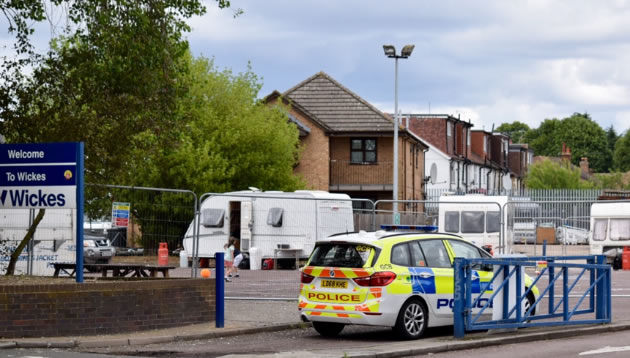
(243, 317)
(246, 317)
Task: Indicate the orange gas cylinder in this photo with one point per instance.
(163, 254)
(625, 258)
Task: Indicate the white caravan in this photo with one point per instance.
(610, 230)
(476, 218)
(270, 224)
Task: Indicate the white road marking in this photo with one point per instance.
(607, 349)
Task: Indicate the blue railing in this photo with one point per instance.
(510, 271)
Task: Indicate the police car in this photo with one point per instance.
(401, 280)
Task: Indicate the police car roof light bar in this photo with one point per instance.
(423, 228)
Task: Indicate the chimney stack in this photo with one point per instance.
(584, 169)
(566, 153)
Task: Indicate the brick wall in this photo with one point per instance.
(314, 165)
(104, 307)
(432, 130)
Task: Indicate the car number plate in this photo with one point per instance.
(334, 284)
(106, 253)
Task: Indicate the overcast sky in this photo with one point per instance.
(489, 61)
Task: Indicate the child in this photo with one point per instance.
(228, 252)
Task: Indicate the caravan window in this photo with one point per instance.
(472, 222)
(451, 219)
(493, 224)
(212, 217)
(274, 217)
(619, 229)
(599, 231)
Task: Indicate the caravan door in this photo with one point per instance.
(246, 225)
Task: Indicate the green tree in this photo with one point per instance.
(232, 141)
(549, 174)
(613, 180)
(583, 135)
(516, 130)
(112, 79)
(621, 157)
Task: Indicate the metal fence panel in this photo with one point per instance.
(53, 241)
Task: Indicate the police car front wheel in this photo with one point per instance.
(328, 329)
(412, 320)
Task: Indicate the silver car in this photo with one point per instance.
(97, 250)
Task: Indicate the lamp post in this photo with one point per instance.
(390, 51)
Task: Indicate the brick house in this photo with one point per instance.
(520, 158)
(347, 144)
(490, 153)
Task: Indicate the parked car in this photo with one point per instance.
(97, 250)
(399, 280)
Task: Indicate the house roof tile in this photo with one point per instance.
(337, 107)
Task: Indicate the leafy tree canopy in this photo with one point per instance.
(583, 135)
(621, 157)
(549, 174)
(516, 130)
(231, 140)
(113, 76)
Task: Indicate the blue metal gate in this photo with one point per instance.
(556, 270)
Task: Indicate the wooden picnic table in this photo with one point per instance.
(117, 270)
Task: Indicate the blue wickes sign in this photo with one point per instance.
(39, 175)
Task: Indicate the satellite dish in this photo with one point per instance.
(433, 173)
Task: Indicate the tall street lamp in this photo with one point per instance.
(390, 51)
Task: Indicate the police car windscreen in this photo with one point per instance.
(341, 255)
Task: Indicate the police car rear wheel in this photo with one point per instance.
(530, 302)
(412, 320)
(328, 329)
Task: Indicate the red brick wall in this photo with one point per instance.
(92, 308)
(477, 143)
(514, 158)
(433, 130)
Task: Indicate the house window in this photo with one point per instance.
(449, 129)
(363, 151)
(468, 130)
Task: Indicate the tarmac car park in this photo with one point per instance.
(400, 280)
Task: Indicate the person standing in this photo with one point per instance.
(228, 257)
(238, 257)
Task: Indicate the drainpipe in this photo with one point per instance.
(488, 181)
(424, 173)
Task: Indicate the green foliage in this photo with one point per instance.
(583, 135)
(109, 81)
(516, 130)
(614, 180)
(548, 174)
(621, 157)
(231, 140)
(612, 137)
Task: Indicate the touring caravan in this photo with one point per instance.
(476, 218)
(270, 224)
(610, 230)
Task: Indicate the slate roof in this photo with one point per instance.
(337, 107)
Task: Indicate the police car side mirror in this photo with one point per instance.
(487, 267)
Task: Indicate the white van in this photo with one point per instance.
(610, 229)
(277, 224)
(476, 218)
